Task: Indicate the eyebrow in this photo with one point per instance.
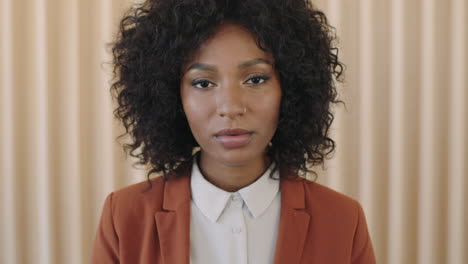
(209, 67)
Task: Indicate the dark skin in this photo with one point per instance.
(231, 83)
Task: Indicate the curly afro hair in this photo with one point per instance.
(157, 37)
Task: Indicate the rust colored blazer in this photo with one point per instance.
(317, 225)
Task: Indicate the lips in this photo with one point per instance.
(234, 138)
(232, 132)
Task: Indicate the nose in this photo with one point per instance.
(230, 101)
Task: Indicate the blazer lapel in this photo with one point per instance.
(173, 222)
(294, 222)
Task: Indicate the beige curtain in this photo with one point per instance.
(402, 139)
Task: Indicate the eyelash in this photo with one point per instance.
(264, 77)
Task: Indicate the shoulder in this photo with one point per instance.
(337, 222)
(144, 199)
(339, 216)
(344, 216)
(329, 203)
(136, 199)
(141, 190)
(326, 194)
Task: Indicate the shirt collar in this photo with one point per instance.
(212, 200)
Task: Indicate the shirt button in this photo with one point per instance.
(236, 230)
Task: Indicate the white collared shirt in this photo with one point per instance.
(239, 227)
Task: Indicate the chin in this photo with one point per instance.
(237, 157)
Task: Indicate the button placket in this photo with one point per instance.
(237, 201)
(236, 228)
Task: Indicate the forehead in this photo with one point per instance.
(230, 43)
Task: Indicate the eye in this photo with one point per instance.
(258, 79)
(201, 84)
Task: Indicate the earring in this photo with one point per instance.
(270, 144)
(245, 110)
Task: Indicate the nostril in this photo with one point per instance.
(232, 111)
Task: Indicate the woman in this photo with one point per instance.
(229, 100)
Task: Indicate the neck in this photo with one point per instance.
(232, 178)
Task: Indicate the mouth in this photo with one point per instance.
(233, 132)
(234, 138)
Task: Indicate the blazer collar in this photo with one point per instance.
(173, 221)
(177, 188)
(294, 220)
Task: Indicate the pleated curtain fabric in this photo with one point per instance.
(401, 139)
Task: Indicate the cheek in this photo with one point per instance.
(267, 114)
(274, 114)
(193, 116)
(271, 108)
(195, 111)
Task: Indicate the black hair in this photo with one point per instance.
(157, 37)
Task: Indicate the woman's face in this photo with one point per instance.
(231, 83)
